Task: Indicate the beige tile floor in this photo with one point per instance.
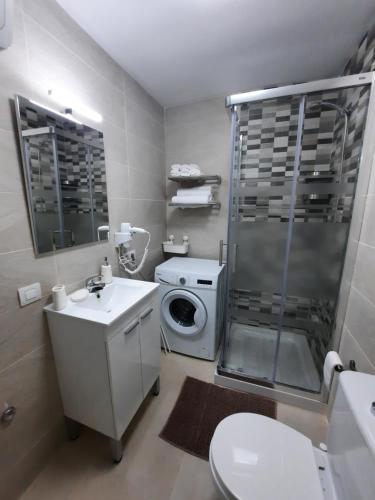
(151, 469)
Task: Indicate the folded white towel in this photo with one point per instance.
(196, 191)
(185, 169)
(190, 173)
(202, 199)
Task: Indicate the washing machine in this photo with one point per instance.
(192, 305)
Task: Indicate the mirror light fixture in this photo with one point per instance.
(70, 102)
(63, 115)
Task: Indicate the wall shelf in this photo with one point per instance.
(214, 179)
(212, 204)
(190, 181)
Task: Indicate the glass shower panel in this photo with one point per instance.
(257, 237)
(331, 145)
(44, 189)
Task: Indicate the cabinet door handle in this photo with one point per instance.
(131, 327)
(147, 313)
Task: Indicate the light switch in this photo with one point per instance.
(29, 294)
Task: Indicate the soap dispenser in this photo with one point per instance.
(106, 272)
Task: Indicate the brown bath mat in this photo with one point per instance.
(200, 407)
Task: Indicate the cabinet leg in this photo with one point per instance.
(156, 387)
(116, 450)
(73, 428)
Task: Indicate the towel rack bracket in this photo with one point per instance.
(212, 179)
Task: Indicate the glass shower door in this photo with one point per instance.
(258, 232)
(321, 222)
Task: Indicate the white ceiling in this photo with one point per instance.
(186, 50)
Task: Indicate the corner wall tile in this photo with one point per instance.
(19, 269)
(363, 280)
(360, 321)
(11, 180)
(350, 349)
(136, 94)
(15, 231)
(18, 478)
(51, 66)
(117, 179)
(15, 55)
(147, 187)
(31, 386)
(147, 213)
(62, 27)
(368, 228)
(80, 263)
(119, 211)
(144, 155)
(115, 144)
(142, 123)
(22, 331)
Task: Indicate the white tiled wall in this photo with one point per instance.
(358, 337)
(199, 133)
(358, 318)
(51, 51)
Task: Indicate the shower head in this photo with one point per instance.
(328, 104)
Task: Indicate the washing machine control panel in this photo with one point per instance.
(188, 280)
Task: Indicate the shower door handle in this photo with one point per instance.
(221, 250)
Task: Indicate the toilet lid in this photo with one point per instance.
(257, 458)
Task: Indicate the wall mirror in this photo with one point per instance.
(65, 177)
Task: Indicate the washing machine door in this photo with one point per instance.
(184, 312)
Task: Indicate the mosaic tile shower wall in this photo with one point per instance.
(268, 133)
(364, 58)
(323, 208)
(80, 152)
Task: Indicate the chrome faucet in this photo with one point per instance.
(94, 284)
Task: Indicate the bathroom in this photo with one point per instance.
(280, 123)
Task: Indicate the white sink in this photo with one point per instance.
(110, 303)
(112, 296)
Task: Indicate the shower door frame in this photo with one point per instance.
(244, 381)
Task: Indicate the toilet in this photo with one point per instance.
(253, 457)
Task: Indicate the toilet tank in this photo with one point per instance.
(351, 437)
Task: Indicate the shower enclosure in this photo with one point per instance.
(296, 154)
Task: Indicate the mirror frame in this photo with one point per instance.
(27, 184)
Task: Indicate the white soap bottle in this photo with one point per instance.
(106, 272)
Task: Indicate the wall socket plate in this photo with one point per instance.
(29, 294)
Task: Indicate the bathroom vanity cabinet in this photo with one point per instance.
(106, 371)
